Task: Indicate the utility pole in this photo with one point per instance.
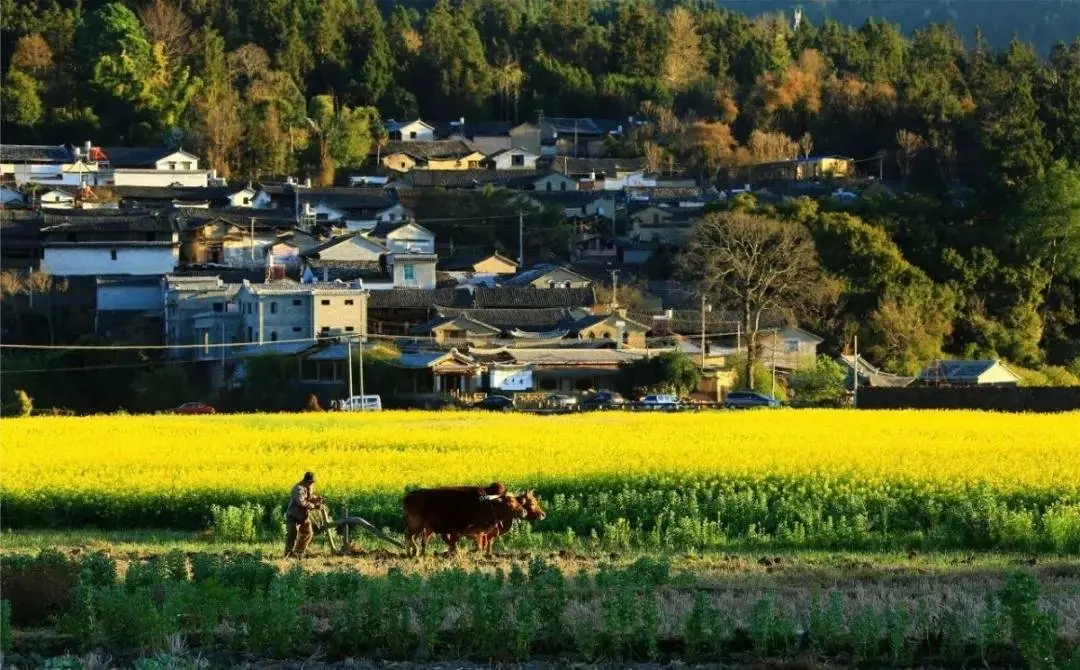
(252, 245)
(348, 364)
(704, 307)
(361, 373)
(614, 289)
(774, 343)
(521, 239)
(855, 376)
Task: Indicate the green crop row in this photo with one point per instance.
(242, 605)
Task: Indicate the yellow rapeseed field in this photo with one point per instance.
(154, 463)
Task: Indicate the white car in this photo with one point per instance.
(361, 403)
(660, 401)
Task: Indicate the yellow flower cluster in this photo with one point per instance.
(382, 453)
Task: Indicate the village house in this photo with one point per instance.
(553, 181)
(412, 256)
(151, 166)
(409, 155)
(486, 264)
(800, 169)
(967, 373)
(236, 240)
(79, 243)
(550, 277)
(788, 348)
(409, 131)
(514, 158)
(289, 310)
(348, 257)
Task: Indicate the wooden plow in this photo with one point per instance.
(337, 530)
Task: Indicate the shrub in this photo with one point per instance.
(38, 588)
(235, 524)
(822, 382)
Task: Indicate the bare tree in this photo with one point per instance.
(910, 145)
(654, 156)
(754, 265)
(806, 145)
(166, 24)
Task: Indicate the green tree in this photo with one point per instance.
(371, 51)
(1049, 226)
(20, 100)
(344, 134)
(669, 372)
(217, 112)
(821, 382)
(460, 78)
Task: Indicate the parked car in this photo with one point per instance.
(745, 399)
(603, 400)
(495, 403)
(660, 401)
(361, 403)
(194, 408)
(559, 401)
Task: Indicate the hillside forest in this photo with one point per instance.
(978, 255)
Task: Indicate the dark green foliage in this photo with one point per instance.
(669, 372)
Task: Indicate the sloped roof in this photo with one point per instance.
(135, 157)
(427, 148)
(333, 242)
(466, 263)
(961, 371)
(472, 129)
(573, 357)
(461, 321)
(56, 223)
(521, 297)
(417, 298)
(466, 178)
(392, 125)
(34, 153)
(536, 319)
(576, 326)
(870, 375)
(607, 166)
(169, 193)
(532, 274)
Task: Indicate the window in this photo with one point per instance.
(549, 186)
(412, 134)
(562, 186)
(402, 164)
(626, 338)
(592, 336)
(348, 329)
(473, 165)
(273, 336)
(656, 218)
(517, 160)
(172, 165)
(273, 308)
(408, 271)
(247, 200)
(112, 254)
(187, 165)
(792, 346)
(551, 283)
(325, 302)
(296, 329)
(296, 302)
(324, 330)
(251, 334)
(219, 307)
(348, 302)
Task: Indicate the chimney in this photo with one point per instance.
(307, 182)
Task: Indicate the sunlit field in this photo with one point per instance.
(968, 477)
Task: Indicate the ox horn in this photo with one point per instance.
(489, 498)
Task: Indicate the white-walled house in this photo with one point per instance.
(82, 245)
(406, 131)
(412, 256)
(153, 166)
(245, 197)
(514, 158)
(57, 199)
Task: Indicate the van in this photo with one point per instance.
(362, 403)
(661, 401)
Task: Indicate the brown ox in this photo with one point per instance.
(484, 537)
(455, 511)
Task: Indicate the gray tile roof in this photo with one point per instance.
(520, 297)
(156, 193)
(467, 178)
(135, 157)
(34, 153)
(427, 148)
(606, 166)
(415, 298)
(61, 223)
(538, 319)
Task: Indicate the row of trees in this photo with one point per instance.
(911, 286)
(269, 86)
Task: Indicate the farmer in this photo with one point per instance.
(301, 502)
